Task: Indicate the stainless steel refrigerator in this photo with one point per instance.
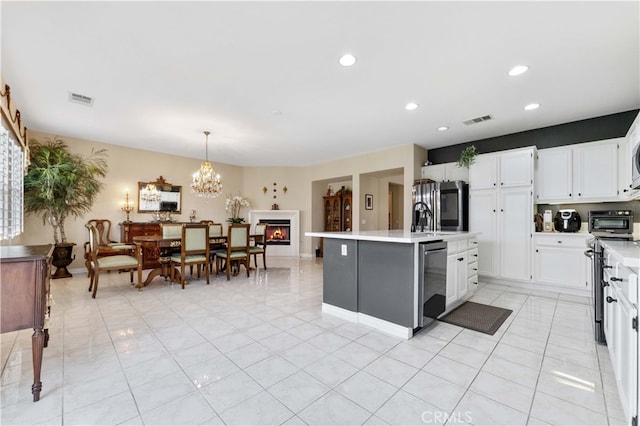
(440, 206)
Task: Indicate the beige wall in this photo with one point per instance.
(305, 188)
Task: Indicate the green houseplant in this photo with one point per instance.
(467, 156)
(59, 184)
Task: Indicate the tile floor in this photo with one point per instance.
(259, 351)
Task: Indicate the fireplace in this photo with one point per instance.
(278, 231)
(285, 239)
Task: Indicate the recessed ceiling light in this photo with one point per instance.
(531, 107)
(518, 69)
(443, 128)
(411, 106)
(347, 60)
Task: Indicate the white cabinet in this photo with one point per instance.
(446, 172)
(501, 209)
(621, 330)
(457, 267)
(625, 151)
(559, 260)
(472, 266)
(585, 172)
(554, 182)
(483, 218)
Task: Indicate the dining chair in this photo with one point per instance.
(216, 241)
(120, 262)
(259, 244)
(108, 247)
(194, 250)
(237, 250)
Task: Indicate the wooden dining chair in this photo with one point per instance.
(217, 241)
(194, 250)
(237, 250)
(259, 244)
(119, 262)
(108, 247)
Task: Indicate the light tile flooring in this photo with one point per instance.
(259, 351)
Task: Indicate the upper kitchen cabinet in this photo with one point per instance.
(625, 154)
(579, 173)
(505, 170)
(447, 172)
(501, 209)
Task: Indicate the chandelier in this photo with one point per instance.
(150, 193)
(206, 182)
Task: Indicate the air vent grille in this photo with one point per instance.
(80, 99)
(478, 120)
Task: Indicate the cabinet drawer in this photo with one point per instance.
(456, 246)
(626, 281)
(560, 240)
(472, 282)
(473, 255)
(472, 269)
(472, 243)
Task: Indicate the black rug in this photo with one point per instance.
(478, 317)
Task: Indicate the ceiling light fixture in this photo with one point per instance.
(411, 106)
(347, 60)
(206, 182)
(443, 128)
(517, 70)
(531, 107)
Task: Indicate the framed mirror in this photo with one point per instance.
(159, 196)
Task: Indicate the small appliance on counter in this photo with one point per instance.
(567, 220)
(547, 221)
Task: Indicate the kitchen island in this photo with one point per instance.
(374, 277)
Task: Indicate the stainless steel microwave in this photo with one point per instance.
(635, 167)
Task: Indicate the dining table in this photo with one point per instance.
(162, 248)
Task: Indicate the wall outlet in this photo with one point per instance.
(344, 249)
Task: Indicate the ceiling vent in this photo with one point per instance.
(478, 120)
(80, 99)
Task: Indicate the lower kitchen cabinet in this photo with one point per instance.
(621, 330)
(559, 260)
(462, 270)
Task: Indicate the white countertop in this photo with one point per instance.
(628, 251)
(395, 236)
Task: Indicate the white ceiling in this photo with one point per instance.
(264, 77)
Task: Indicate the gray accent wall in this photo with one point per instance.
(590, 130)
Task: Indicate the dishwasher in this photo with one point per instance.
(433, 281)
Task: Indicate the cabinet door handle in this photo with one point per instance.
(475, 255)
(606, 266)
(460, 259)
(579, 194)
(494, 184)
(569, 194)
(625, 190)
(605, 284)
(616, 279)
(501, 183)
(559, 242)
(611, 299)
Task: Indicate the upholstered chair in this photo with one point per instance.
(259, 244)
(194, 250)
(119, 262)
(237, 251)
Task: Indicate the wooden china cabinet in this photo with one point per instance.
(338, 213)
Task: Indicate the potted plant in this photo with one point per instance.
(59, 184)
(467, 157)
(233, 204)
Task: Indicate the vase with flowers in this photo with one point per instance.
(233, 205)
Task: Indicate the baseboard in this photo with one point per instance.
(528, 286)
(360, 318)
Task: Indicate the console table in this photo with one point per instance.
(24, 283)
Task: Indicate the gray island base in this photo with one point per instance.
(375, 278)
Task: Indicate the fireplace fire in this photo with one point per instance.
(278, 231)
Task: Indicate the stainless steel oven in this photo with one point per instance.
(604, 225)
